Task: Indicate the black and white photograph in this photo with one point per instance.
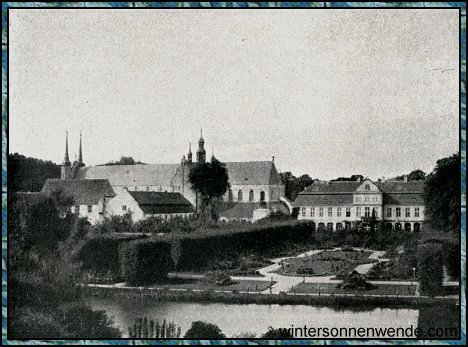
(234, 174)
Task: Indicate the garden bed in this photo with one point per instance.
(238, 285)
(325, 263)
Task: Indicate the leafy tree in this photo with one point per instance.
(29, 174)
(442, 195)
(417, 175)
(352, 178)
(280, 333)
(294, 185)
(125, 161)
(211, 181)
(203, 330)
(429, 268)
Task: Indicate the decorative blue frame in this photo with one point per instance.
(459, 5)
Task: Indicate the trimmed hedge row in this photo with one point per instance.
(195, 250)
(145, 261)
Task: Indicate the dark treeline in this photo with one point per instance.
(29, 174)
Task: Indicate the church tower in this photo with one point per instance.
(189, 155)
(66, 165)
(201, 153)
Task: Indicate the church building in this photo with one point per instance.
(256, 184)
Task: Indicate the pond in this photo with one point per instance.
(235, 319)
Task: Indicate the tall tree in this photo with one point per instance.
(211, 181)
(294, 185)
(125, 161)
(417, 175)
(442, 195)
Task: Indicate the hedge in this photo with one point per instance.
(145, 262)
(100, 254)
(195, 250)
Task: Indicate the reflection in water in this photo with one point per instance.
(234, 319)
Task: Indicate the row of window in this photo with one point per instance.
(347, 226)
(389, 212)
(240, 196)
(76, 208)
(368, 212)
(368, 199)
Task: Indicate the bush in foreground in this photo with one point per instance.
(203, 330)
(429, 269)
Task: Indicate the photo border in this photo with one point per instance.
(461, 6)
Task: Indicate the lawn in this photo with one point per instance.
(239, 285)
(330, 288)
(325, 263)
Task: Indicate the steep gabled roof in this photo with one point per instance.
(83, 192)
(160, 202)
(253, 172)
(133, 175)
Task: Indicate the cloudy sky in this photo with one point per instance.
(327, 92)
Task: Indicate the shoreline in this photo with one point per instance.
(218, 296)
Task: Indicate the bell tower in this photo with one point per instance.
(201, 153)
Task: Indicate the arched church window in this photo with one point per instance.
(239, 195)
(230, 198)
(262, 196)
(251, 195)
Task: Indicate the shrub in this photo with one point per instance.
(101, 255)
(305, 271)
(145, 261)
(203, 330)
(197, 249)
(429, 268)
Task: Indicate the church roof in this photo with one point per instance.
(83, 192)
(159, 202)
(252, 173)
(240, 173)
(133, 175)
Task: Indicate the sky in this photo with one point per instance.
(329, 93)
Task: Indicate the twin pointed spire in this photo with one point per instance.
(66, 159)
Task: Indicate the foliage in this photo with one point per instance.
(452, 258)
(355, 281)
(294, 185)
(429, 269)
(415, 175)
(115, 224)
(145, 261)
(145, 328)
(157, 225)
(197, 249)
(217, 278)
(30, 174)
(124, 161)
(280, 333)
(211, 181)
(100, 255)
(352, 178)
(203, 330)
(442, 195)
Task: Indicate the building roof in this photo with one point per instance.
(323, 200)
(339, 187)
(240, 173)
(405, 199)
(83, 192)
(402, 187)
(132, 175)
(341, 193)
(253, 173)
(161, 202)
